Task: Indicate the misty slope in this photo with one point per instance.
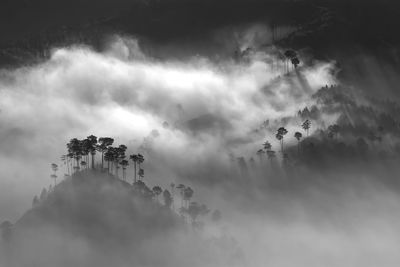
(99, 208)
(95, 219)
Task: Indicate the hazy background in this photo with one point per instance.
(190, 108)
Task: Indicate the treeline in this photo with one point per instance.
(81, 157)
(363, 129)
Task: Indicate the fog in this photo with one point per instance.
(190, 117)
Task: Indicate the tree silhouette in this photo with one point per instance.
(75, 150)
(298, 136)
(267, 146)
(54, 168)
(70, 161)
(124, 163)
(112, 155)
(290, 56)
(306, 126)
(157, 191)
(92, 147)
(102, 146)
(64, 159)
(295, 62)
(109, 157)
(120, 155)
(281, 132)
(172, 185)
(141, 174)
(188, 194)
(167, 198)
(260, 153)
(271, 155)
(333, 131)
(140, 159)
(181, 188)
(83, 164)
(85, 148)
(143, 189)
(135, 159)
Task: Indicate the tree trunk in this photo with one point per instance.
(102, 160)
(135, 171)
(298, 147)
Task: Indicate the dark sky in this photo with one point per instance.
(167, 19)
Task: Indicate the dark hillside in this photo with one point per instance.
(101, 209)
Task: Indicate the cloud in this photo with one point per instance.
(123, 93)
(191, 118)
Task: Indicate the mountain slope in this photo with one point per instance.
(101, 207)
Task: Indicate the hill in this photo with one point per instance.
(90, 215)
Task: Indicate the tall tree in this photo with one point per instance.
(298, 136)
(281, 132)
(333, 131)
(124, 163)
(109, 157)
(140, 159)
(157, 191)
(92, 148)
(141, 174)
(75, 149)
(267, 146)
(295, 62)
(85, 143)
(167, 198)
(135, 159)
(290, 55)
(271, 155)
(260, 153)
(84, 164)
(64, 159)
(181, 188)
(188, 194)
(119, 156)
(306, 126)
(172, 185)
(54, 168)
(102, 146)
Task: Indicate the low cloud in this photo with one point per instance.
(125, 94)
(191, 118)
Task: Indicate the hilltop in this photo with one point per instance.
(89, 213)
(100, 207)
